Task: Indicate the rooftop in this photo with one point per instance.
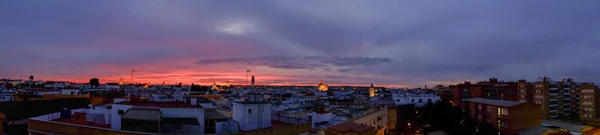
(278, 124)
(214, 114)
(160, 104)
(567, 126)
(503, 103)
(351, 127)
(80, 119)
(143, 114)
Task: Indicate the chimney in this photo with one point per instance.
(193, 101)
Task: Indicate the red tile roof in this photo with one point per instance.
(160, 104)
(351, 127)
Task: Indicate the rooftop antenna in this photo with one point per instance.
(247, 72)
(131, 78)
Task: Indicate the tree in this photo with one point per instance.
(94, 82)
(30, 81)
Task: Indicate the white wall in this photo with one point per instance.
(255, 119)
(68, 91)
(197, 113)
(316, 118)
(115, 118)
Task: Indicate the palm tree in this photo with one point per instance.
(30, 81)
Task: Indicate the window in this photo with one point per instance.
(504, 111)
(249, 111)
(120, 112)
(428, 100)
(413, 100)
(420, 100)
(397, 100)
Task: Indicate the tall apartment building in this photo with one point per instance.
(557, 98)
(525, 91)
(589, 103)
(508, 117)
(491, 89)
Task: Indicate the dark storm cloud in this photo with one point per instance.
(310, 62)
(420, 41)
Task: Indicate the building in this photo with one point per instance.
(377, 118)
(400, 117)
(525, 91)
(419, 99)
(253, 113)
(322, 86)
(491, 89)
(441, 88)
(137, 116)
(557, 98)
(589, 103)
(372, 90)
(16, 113)
(350, 128)
(509, 117)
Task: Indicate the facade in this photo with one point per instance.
(525, 91)
(419, 99)
(558, 99)
(377, 119)
(508, 117)
(491, 89)
(252, 114)
(589, 102)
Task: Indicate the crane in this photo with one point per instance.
(131, 79)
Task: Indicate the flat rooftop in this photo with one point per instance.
(143, 114)
(351, 127)
(160, 104)
(79, 119)
(503, 103)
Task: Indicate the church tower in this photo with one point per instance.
(322, 86)
(372, 90)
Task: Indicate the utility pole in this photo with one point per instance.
(247, 71)
(131, 78)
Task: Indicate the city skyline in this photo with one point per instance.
(391, 43)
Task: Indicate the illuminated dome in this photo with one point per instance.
(214, 86)
(322, 86)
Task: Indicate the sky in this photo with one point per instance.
(392, 43)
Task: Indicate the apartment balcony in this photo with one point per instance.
(554, 110)
(553, 88)
(553, 94)
(554, 116)
(569, 99)
(566, 93)
(553, 99)
(553, 105)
